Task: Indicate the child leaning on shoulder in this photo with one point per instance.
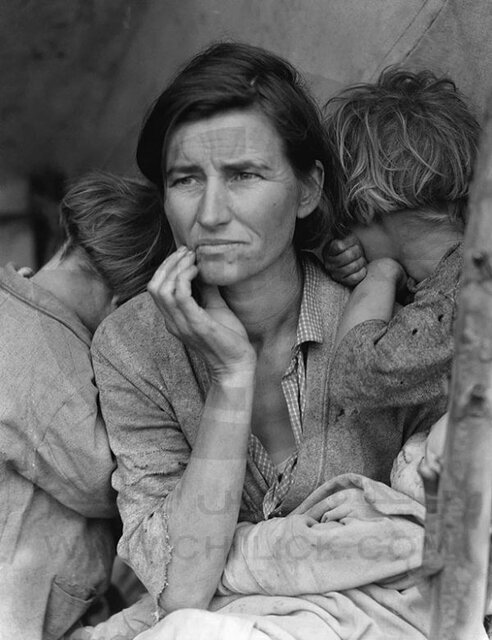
(405, 148)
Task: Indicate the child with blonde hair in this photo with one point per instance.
(405, 147)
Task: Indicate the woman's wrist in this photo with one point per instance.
(234, 374)
(231, 380)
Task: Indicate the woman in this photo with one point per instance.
(58, 508)
(214, 390)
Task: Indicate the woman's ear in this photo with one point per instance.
(311, 190)
(115, 302)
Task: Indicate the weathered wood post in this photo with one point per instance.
(458, 541)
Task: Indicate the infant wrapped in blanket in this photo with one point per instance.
(343, 566)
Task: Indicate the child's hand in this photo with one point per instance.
(431, 466)
(25, 272)
(345, 261)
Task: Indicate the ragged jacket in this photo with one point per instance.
(152, 393)
(56, 544)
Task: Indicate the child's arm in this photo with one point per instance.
(374, 297)
(401, 360)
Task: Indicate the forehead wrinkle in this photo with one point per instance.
(227, 142)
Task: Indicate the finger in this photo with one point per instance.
(210, 296)
(25, 272)
(353, 279)
(176, 294)
(317, 511)
(338, 513)
(354, 254)
(165, 269)
(172, 259)
(182, 262)
(430, 471)
(200, 324)
(173, 317)
(183, 281)
(328, 503)
(430, 478)
(350, 268)
(164, 291)
(340, 245)
(163, 283)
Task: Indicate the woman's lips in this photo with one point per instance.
(216, 246)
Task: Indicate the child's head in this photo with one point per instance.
(419, 449)
(117, 225)
(406, 142)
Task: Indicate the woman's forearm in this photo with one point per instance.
(204, 507)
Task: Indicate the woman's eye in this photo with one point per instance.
(183, 181)
(243, 176)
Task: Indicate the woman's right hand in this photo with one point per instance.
(212, 329)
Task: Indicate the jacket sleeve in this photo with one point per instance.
(151, 453)
(404, 362)
(57, 440)
(77, 470)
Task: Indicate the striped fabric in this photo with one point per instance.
(309, 329)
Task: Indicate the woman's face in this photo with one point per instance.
(232, 196)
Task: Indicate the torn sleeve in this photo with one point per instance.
(151, 454)
(400, 363)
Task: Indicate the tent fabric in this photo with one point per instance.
(450, 37)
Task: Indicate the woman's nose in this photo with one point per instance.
(214, 206)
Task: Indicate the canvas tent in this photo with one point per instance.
(74, 92)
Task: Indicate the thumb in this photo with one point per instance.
(210, 297)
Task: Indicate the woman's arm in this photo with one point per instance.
(175, 503)
(348, 539)
(209, 493)
(206, 502)
(179, 507)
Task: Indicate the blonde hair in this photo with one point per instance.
(120, 226)
(408, 141)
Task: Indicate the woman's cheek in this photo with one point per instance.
(178, 231)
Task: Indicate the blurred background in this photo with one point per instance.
(77, 76)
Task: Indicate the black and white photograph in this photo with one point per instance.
(245, 319)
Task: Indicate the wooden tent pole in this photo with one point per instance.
(458, 538)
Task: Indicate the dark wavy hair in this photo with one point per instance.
(230, 75)
(120, 226)
(408, 141)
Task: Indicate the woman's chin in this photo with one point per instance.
(220, 275)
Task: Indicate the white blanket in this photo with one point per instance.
(350, 580)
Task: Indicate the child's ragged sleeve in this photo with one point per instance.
(406, 361)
